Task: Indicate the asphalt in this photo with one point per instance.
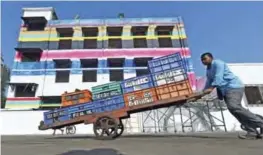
(181, 144)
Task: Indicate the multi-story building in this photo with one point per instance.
(54, 56)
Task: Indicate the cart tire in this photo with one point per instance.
(70, 130)
(120, 129)
(108, 127)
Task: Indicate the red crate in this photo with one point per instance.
(140, 97)
(173, 90)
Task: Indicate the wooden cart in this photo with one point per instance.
(108, 125)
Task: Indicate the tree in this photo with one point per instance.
(5, 76)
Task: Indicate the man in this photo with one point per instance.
(231, 89)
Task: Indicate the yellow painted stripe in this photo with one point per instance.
(99, 38)
(50, 105)
(16, 106)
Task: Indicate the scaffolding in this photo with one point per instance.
(206, 114)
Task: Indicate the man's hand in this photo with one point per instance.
(208, 91)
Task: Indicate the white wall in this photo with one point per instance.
(36, 13)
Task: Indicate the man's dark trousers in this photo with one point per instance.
(233, 98)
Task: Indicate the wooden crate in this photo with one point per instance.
(140, 97)
(173, 90)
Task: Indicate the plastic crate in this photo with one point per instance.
(105, 87)
(140, 97)
(166, 63)
(137, 83)
(169, 76)
(173, 90)
(107, 105)
(55, 113)
(107, 94)
(88, 105)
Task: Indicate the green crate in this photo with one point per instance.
(106, 87)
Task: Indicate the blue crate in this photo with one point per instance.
(169, 76)
(60, 111)
(107, 105)
(136, 83)
(167, 62)
(48, 122)
(88, 105)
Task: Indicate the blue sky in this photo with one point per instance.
(232, 31)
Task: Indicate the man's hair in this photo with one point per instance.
(207, 54)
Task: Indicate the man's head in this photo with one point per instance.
(207, 58)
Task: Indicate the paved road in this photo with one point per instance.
(196, 144)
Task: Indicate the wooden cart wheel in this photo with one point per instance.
(120, 129)
(70, 130)
(105, 128)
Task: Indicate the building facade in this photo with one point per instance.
(54, 56)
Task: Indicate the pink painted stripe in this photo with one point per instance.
(23, 99)
(192, 79)
(78, 54)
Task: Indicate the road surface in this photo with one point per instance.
(183, 144)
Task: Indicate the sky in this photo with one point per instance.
(232, 31)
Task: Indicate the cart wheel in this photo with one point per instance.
(120, 129)
(70, 130)
(105, 128)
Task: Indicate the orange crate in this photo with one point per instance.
(140, 97)
(76, 97)
(173, 90)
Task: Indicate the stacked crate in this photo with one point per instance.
(107, 97)
(169, 76)
(106, 90)
(108, 104)
(138, 90)
(67, 113)
(77, 97)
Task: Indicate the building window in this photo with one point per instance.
(36, 27)
(65, 33)
(65, 44)
(140, 43)
(254, 95)
(89, 75)
(116, 69)
(165, 42)
(116, 75)
(142, 62)
(164, 31)
(48, 101)
(115, 43)
(90, 32)
(62, 75)
(139, 30)
(25, 90)
(90, 43)
(114, 31)
(30, 57)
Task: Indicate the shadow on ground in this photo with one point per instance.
(190, 135)
(93, 152)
